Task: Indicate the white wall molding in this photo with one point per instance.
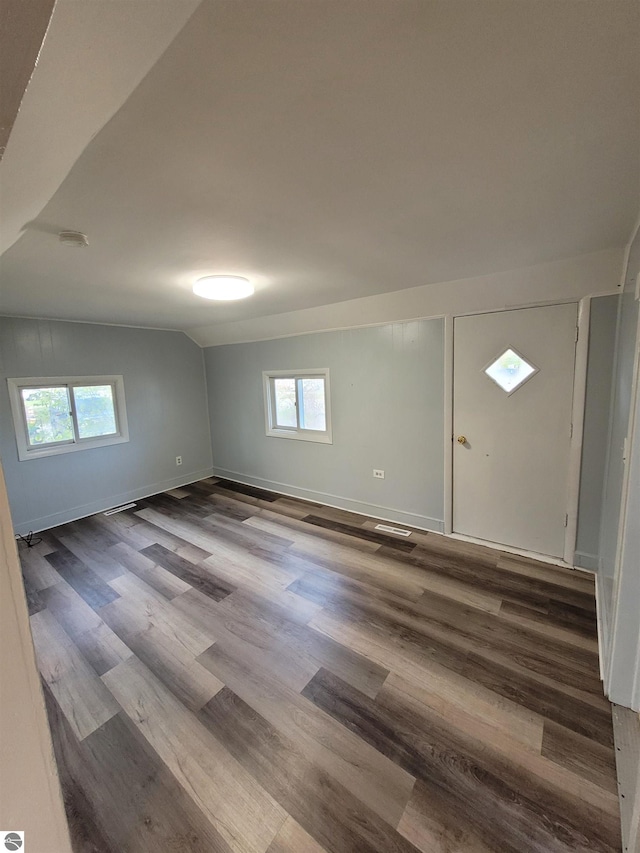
(92, 323)
(567, 280)
(411, 519)
(77, 512)
(577, 429)
(603, 629)
(448, 425)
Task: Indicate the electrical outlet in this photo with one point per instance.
(378, 474)
(178, 460)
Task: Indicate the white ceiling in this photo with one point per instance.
(334, 149)
(93, 57)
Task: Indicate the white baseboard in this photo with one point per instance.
(74, 513)
(384, 513)
(586, 561)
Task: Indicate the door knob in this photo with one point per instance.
(462, 439)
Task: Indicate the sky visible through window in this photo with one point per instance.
(310, 399)
(509, 370)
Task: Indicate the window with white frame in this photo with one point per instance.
(55, 415)
(297, 404)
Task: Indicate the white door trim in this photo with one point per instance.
(448, 424)
(579, 391)
(577, 421)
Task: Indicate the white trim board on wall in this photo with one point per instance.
(411, 519)
(602, 630)
(448, 425)
(577, 428)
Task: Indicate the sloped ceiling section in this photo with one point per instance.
(22, 31)
(333, 150)
(93, 57)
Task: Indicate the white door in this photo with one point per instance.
(512, 402)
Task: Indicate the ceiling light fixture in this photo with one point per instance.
(223, 287)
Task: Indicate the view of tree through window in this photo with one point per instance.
(48, 415)
(312, 406)
(94, 410)
(285, 394)
(300, 403)
(49, 418)
(60, 414)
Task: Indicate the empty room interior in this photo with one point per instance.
(320, 426)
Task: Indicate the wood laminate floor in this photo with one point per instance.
(227, 669)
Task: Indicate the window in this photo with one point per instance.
(510, 370)
(62, 414)
(297, 404)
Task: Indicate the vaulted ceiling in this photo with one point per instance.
(326, 149)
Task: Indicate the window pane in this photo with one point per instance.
(509, 370)
(95, 411)
(48, 417)
(285, 397)
(312, 406)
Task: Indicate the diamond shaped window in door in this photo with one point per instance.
(510, 370)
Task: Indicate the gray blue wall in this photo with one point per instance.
(387, 399)
(388, 403)
(166, 409)
(602, 338)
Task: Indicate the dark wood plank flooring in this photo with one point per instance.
(228, 669)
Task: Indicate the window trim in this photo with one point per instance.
(296, 433)
(27, 451)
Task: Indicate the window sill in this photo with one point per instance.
(308, 435)
(41, 453)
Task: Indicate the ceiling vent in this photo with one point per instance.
(76, 239)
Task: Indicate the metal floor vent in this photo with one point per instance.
(118, 509)
(388, 529)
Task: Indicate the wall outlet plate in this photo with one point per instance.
(378, 473)
(178, 460)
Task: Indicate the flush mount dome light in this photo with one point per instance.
(223, 287)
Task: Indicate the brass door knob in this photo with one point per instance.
(462, 439)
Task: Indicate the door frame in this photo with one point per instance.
(577, 420)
